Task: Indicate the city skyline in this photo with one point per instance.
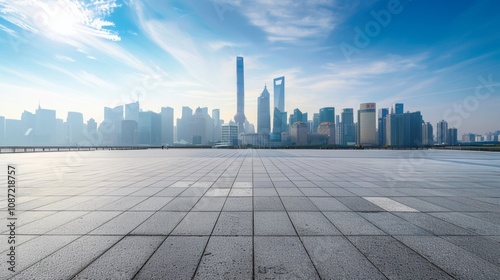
(83, 57)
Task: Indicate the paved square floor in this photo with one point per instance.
(262, 214)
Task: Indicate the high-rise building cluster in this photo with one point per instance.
(128, 125)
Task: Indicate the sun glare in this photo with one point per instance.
(63, 24)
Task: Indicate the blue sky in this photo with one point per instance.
(439, 57)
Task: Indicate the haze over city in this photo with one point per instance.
(433, 57)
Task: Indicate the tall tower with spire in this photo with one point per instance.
(240, 118)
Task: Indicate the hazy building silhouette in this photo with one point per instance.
(229, 134)
(130, 133)
(132, 111)
(74, 126)
(298, 133)
(441, 132)
(367, 132)
(45, 127)
(452, 136)
(111, 126)
(427, 134)
(28, 124)
(167, 126)
(183, 125)
(468, 137)
(240, 118)
(201, 126)
(91, 125)
(13, 132)
(149, 128)
(2, 130)
(382, 137)
(264, 112)
(216, 123)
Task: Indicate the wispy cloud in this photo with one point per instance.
(64, 58)
(290, 21)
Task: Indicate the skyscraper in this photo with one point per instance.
(167, 125)
(183, 125)
(216, 125)
(45, 127)
(404, 130)
(279, 116)
(315, 122)
(111, 127)
(132, 111)
(367, 132)
(327, 114)
(441, 132)
(427, 134)
(75, 128)
(348, 132)
(279, 93)
(149, 128)
(240, 118)
(452, 136)
(264, 113)
(382, 113)
(397, 108)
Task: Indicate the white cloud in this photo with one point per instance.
(64, 58)
(58, 18)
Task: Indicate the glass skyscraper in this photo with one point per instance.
(240, 118)
(264, 113)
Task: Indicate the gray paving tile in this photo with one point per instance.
(328, 204)
(267, 204)
(238, 204)
(197, 223)
(432, 224)
(481, 246)
(336, 258)
(298, 204)
(123, 204)
(49, 223)
(289, 191)
(118, 263)
(392, 224)
(350, 223)
(395, 260)
(77, 255)
(86, 223)
(264, 192)
(152, 204)
(473, 224)
(359, 204)
(282, 258)
(122, 224)
(454, 260)
(312, 223)
(160, 223)
(181, 204)
(234, 223)
(227, 257)
(419, 204)
(209, 204)
(272, 223)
